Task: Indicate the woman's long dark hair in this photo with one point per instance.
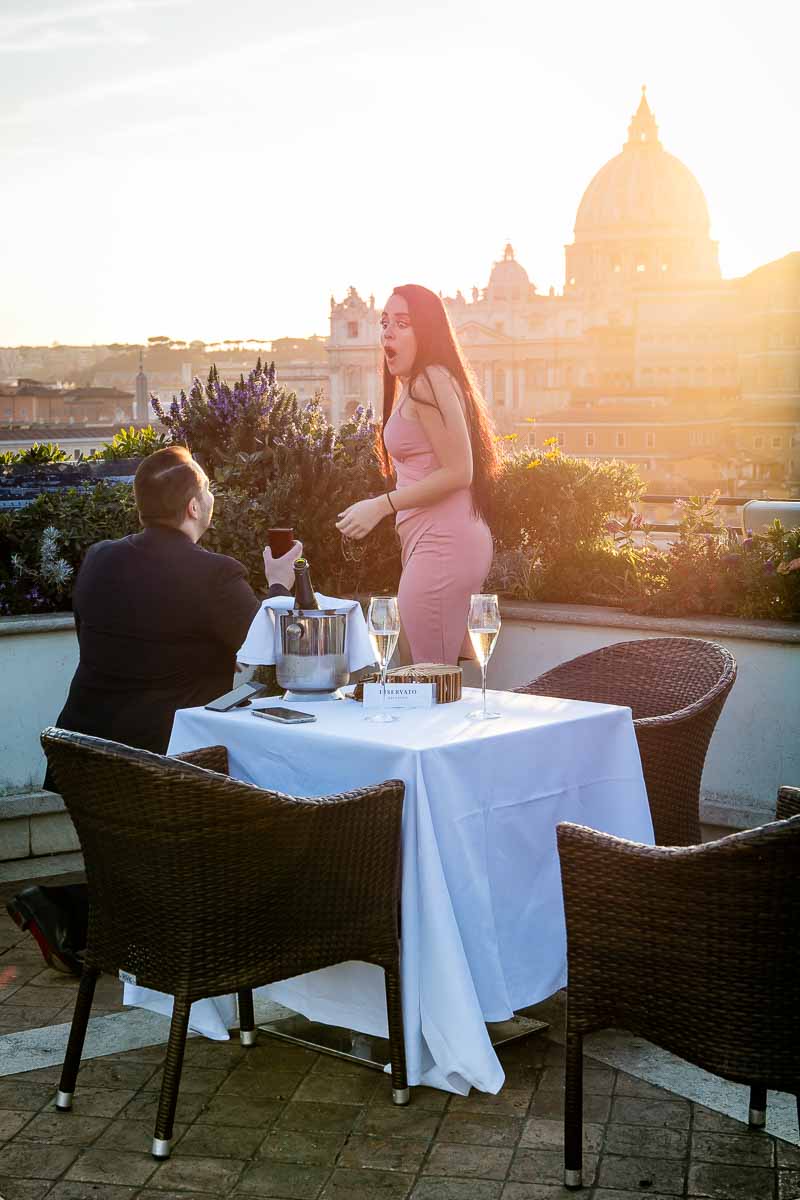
(437, 345)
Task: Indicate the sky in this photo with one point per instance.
(198, 169)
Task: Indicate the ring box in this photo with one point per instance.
(280, 541)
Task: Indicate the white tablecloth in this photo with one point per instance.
(483, 923)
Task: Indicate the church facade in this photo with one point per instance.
(647, 354)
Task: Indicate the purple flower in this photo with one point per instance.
(769, 567)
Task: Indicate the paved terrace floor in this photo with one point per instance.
(278, 1121)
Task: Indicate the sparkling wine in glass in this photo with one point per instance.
(383, 623)
(483, 624)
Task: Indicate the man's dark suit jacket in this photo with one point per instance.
(159, 622)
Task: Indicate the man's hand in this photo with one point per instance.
(281, 570)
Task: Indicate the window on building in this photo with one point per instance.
(758, 443)
(352, 329)
(590, 439)
(619, 440)
(650, 440)
(76, 454)
(777, 442)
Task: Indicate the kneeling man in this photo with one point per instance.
(159, 621)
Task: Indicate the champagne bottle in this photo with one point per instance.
(303, 589)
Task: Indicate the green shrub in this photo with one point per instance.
(564, 528)
(57, 526)
(296, 482)
(130, 443)
(37, 455)
(551, 504)
(708, 570)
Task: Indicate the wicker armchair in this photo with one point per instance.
(200, 885)
(676, 688)
(695, 949)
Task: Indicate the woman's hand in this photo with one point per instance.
(361, 518)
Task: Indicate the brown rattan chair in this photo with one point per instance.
(200, 885)
(694, 948)
(675, 688)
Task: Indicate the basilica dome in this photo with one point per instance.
(509, 279)
(643, 222)
(643, 190)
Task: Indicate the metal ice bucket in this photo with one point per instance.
(310, 651)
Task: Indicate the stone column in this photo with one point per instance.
(521, 386)
(337, 399)
(488, 386)
(510, 387)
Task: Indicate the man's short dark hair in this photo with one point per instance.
(164, 484)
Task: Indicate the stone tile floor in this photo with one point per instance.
(277, 1121)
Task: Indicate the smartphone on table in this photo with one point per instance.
(284, 716)
(240, 697)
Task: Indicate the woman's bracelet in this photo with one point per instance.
(391, 506)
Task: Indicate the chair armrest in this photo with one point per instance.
(788, 803)
(211, 758)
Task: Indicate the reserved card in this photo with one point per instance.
(399, 695)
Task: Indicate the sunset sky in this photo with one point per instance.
(216, 170)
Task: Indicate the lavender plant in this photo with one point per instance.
(216, 420)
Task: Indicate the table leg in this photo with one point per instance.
(374, 1051)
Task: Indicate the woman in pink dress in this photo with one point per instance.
(438, 442)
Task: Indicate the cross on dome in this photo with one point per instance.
(643, 130)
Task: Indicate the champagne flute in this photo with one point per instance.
(483, 624)
(383, 623)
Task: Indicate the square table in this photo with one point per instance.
(482, 915)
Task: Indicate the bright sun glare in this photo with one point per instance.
(219, 177)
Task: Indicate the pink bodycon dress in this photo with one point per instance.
(446, 551)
